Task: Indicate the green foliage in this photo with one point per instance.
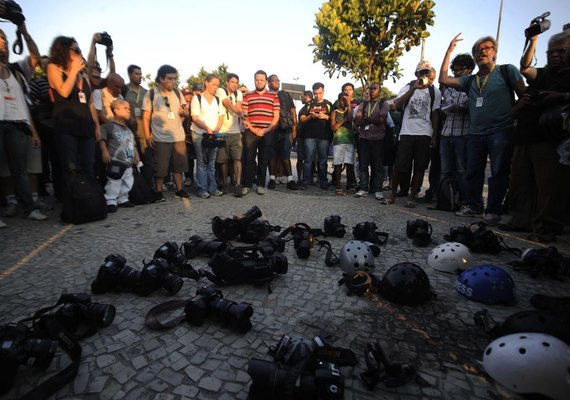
(365, 38)
(222, 72)
(385, 93)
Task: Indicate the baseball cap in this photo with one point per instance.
(423, 65)
(186, 91)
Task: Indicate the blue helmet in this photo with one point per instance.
(487, 284)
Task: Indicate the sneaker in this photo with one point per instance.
(41, 205)
(379, 196)
(11, 209)
(204, 195)
(126, 204)
(361, 193)
(491, 219)
(245, 191)
(2, 224)
(466, 211)
(238, 191)
(181, 194)
(36, 215)
(260, 190)
(218, 193)
(111, 208)
(292, 185)
(159, 197)
(271, 184)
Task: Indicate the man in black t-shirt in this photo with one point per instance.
(317, 135)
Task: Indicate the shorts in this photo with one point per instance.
(233, 149)
(282, 143)
(161, 158)
(343, 154)
(413, 148)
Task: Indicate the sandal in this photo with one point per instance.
(341, 192)
(387, 201)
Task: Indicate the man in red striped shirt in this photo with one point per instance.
(261, 108)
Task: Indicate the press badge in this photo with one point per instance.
(82, 98)
(479, 102)
(170, 115)
(367, 127)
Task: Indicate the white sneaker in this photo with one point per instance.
(260, 190)
(36, 215)
(379, 196)
(11, 209)
(245, 191)
(2, 224)
(361, 193)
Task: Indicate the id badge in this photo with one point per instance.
(138, 112)
(479, 102)
(82, 97)
(367, 127)
(171, 115)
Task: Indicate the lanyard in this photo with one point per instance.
(481, 86)
(371, 111)
(79, 81)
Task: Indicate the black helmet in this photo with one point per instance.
(406, 284)
(538, 322)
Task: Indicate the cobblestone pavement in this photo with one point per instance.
(41, 260)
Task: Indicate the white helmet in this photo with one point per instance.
(450, 257)
(355, 255)
(530, 363)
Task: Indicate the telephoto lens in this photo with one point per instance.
(234, 315)
(269, 381)
(155, 275)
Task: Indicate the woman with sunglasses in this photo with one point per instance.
(75, 119)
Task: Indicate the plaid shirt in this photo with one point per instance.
(456, 124)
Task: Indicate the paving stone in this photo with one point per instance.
(105, 360)
(193, 373)
(210, 383)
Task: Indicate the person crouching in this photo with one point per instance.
(119, 155)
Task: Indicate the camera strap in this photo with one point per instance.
(331, 259)
(152, 322)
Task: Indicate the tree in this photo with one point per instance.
(385, 93)
(365, 38)
(221, 71)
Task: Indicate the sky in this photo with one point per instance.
(273, 35)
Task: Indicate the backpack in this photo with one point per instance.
(84, 201)
(503, 69)
(286, 121)
(141, 192)
(447, 195)
(151, 96)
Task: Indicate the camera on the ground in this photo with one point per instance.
(81, 317)
(420, 231)
(156, 275)
(115, 275)
(197, 246)
(333, 227)
(210, 301)
(229, 228)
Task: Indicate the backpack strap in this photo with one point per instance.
(431, 90)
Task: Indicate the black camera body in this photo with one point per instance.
(367, 232)
(299, 371)
(115, 276)
(420, 231)
(210, 301)
(155, 275)
(11, 11)
(105, 39)
(538, 25)
(460, 234)
(170, 252)
(303, 241)
(216, 140)
(196, 246)
(254, 264)
(333, 227)
(257, 231)
(229, 228)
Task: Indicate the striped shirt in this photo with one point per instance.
(260, 108)
(456, 123)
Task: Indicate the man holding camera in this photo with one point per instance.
(490, 94)
(421, 102)
(93, 67)
(538, 191)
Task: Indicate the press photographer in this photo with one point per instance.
(538, 196)
(94, 69)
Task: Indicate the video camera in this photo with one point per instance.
(255, 264)
(538, 25)
(210, 301)
(301, 369)
(11, 11)
(230, 228)
(196, 246)
(105, 39)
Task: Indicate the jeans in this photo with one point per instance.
(255, 146)
(14, 145)
(205, 165)
(453, 153)
(498, 147)
(370, 153)
(312, 148)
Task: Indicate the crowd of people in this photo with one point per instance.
(59, 118)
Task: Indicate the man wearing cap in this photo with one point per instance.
(421, 102)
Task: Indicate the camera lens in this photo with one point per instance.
(279, 263)
(172, 283)
(268, 380)
(104, 314)
(129, 277)
(196, 310)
